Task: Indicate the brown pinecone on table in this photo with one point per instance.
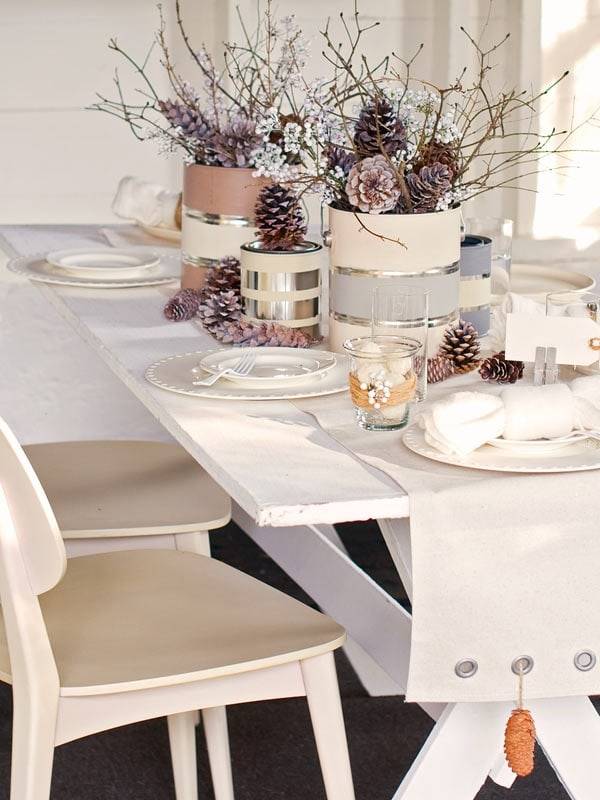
(219, 310)
(223, 277)
(183, 305)
(427, 186)
(438, 369)
(519, 742)
(245, 333)
(500, 369)
(461, 346)
(279, 218)
(378, 130)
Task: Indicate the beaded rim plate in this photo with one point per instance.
(37, 269)
(272, 365)
(577, 457)
(175, 374)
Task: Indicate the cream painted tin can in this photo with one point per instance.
(368, 249)
(282, 286)
(217, 217)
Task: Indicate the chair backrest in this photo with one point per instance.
(32, 561)
(38, 536)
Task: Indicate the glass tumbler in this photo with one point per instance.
(500, 231)
(383, 380)
(403, 310)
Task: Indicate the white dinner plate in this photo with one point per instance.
(169, 234)
(36, 268)
(537, 280)
(536, 446)
(178, 373)
(104, 262)
(272, 366)
(580, 455)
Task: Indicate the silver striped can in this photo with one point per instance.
(282, 286)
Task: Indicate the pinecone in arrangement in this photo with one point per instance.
(378, 130)
(183, 305)
(438, 369)
(372, 185)
(263, 334)
(337, 157)
(279, 218)
(428, 186)
(437, 152)
(236, 142)
(461, 346)
(223, 277)
(220, 309)
(191, 121)
(519, 742)
(500, 369)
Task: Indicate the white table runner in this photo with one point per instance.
(502, 566)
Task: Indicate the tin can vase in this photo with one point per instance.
(282, 286)
(414, 249)
(475, 281)
(217, 217)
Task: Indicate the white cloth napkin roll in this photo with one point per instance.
(145, 202)
(463, 421)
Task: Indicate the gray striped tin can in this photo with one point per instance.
(475, 281)
(420, 250)
(282, 286)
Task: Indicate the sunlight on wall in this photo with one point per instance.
(567, 205)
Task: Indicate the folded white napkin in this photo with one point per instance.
(511, 304)
(145, 202)
(463, 421)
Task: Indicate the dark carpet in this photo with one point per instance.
(273, 751)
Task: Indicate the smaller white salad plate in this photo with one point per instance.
(272, 366)
(104, 262)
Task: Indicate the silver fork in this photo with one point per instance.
(240, 368)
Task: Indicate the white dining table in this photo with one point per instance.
(290, 481)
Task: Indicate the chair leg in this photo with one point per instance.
(182, 737)
(33, 738)
(323, 696)
(217, 742)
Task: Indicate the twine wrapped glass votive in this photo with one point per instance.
(383, 379)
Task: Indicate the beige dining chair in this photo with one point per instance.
(117, 495)
(108, 639)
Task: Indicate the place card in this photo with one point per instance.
(576, 339)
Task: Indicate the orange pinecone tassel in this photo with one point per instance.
(519, 742)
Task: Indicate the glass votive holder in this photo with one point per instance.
(383, 380)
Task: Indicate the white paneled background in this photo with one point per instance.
(61, 163)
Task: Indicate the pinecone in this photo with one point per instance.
(461, 346)
(223, 277)
(500, 369)
(437, 152)
(279, 218)
(234, 144)
(519, 742)
(427, 186)
(218, 310)
(183, 305)
(372, 185)
(438, 369)
(262, 334)
(338, 157)
(378, 130)
(190, 120)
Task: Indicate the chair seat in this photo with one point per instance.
(145, 618)
(121, 487)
